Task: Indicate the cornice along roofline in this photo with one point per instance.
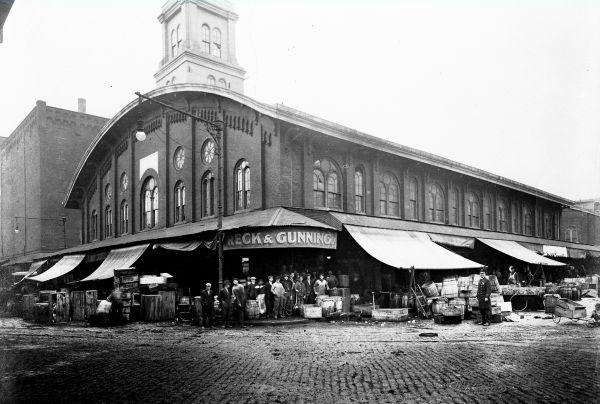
(307, 121)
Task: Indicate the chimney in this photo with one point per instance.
(81, 105)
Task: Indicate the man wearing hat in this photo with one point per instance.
(207, 297)
(238, 301)
(484, 290)
(251, 291)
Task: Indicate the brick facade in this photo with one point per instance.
(283, 157)
(580, 226)
(36, 161)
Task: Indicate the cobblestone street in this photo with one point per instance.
(341, 361)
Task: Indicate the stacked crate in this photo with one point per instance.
(128, 282)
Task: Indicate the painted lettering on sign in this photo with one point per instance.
(282, 238)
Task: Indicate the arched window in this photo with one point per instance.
(435, 204)
(548, 228)
(179, 201)
(359, 191)
(487, 213)
(108, 221)
(319, 188)
(208, 194)
(150, 204)
(571, 235)
(124, 217)
(334, 197)
(527, 221)
(216, 43)
(211, 80)
(514, 215)
(222, 83)
(242, 185)
(179, 39)
(453, 197)
(502, 214)
(173, 43)
(94, 225)
(205, 39)
(389, 200)
(412, 190)
(382, 199)
(327, 184)
(472, 210)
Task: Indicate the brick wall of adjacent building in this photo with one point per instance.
(580, 226)
(282, 158)
(37, 162)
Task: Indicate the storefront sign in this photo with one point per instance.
(282, 238)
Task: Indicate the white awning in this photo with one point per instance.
(33, 269)
(519, 252)
(453, 241)
(186, 246)
(117, 259)
(555, 251)
(404, 249)
(65, 265)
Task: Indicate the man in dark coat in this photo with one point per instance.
(207, 297)
(288, 286)
(484, 290)
(238, 301)
(225, 299)
(251, 289)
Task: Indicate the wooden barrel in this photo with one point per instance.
(346, 304)
(344, 281)
(430, 289)
(252, 309)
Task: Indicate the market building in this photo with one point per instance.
(300, 193)
(34, 161)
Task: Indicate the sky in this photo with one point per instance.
(511, 87)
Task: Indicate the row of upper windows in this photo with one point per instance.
(211, 44)
(327, 194)
(149, 202)
(211, 40)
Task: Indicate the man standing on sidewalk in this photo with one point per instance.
(279, 295)
(239, 301)
(207, 297)
(484, 290)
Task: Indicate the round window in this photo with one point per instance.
(179, 158)
(208, 151)
(124, 182)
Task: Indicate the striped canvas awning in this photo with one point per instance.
(65, 265)
(405, 249)
(117, 259)
(516, 250)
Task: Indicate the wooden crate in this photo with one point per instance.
(577, 312)
(567, 304)
(364, 309)
(78, 304)
(91, 302)
(63, 307)
(160, 307)
(29, 302)
(390, 314)
(312, 311)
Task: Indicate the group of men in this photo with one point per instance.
(278, 297)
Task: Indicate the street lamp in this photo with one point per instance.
(215, 130)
